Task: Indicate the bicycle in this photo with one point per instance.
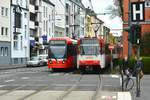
(128, 83)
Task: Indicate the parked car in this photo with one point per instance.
(34, 61)
(44, 58)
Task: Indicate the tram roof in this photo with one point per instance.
(68, 40)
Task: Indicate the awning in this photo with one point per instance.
(32, 42)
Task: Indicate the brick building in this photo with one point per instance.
(145, 24)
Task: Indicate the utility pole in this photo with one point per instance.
(129, 25)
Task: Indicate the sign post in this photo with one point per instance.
(111, 47)
(138, 15)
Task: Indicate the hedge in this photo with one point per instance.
(146, 63)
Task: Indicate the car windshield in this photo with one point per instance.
(34, 58)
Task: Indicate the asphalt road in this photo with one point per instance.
(31, 83)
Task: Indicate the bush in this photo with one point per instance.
(146, 63)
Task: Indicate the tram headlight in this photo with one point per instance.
(50, 61)
(64, 60)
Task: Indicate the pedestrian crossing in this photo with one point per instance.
(54, 95)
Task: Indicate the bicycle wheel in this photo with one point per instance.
(129, 84)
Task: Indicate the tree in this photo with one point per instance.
(145, 44)
(116, 9)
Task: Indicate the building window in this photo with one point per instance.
(18, 20)
(32, 2)
(2, 11)
(44, 11)
(44, 25)
(40, 17)
(49, 18)
(47, 26)
(6, 31)
(21, 44)
(21, 60)
(15, 60)
(6, 12)
(2, 51)
(2, 30)
(6, 51)
(25, 31)
(49, 31)
(32, 16)
(15, 42)
(25, 15)
(52, 27)
(53, 14)
(21, 2)
(40, 31)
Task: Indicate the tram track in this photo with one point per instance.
(99, 86)
(69, 90)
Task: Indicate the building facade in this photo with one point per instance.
(19, 31)
(42, 25)
(75, 18)
(127, 48)
(59, 18)
(5, 43)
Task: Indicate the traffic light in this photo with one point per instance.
(135, 34)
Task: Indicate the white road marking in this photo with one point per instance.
(115, 76)
(2, 86)
(9, 80)
(24, 78)
(124, 96)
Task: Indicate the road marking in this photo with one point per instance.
(124, 96)
(2, 86)
(109, 97)
(24, 78)
(9, 80)
(115, 76)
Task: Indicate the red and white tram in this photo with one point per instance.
(90, 54)
(62, 53)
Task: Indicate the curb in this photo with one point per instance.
(11, 67)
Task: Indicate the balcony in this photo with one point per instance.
(17, 31)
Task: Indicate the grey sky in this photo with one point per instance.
(100, 7)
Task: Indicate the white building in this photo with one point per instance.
(42, 23)
(69, 18)
(19, 31)
(59, 18)
(5, 43)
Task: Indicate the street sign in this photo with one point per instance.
(138, 11)
(111, 47)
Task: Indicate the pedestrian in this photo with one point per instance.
(125, 66)
(139, 66)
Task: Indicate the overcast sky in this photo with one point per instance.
(100, 7)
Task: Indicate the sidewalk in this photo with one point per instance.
(9, 66)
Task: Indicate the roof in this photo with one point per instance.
(68, 40)
(49, 2)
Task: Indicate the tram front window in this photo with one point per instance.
(57, 52)
(89, 50)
